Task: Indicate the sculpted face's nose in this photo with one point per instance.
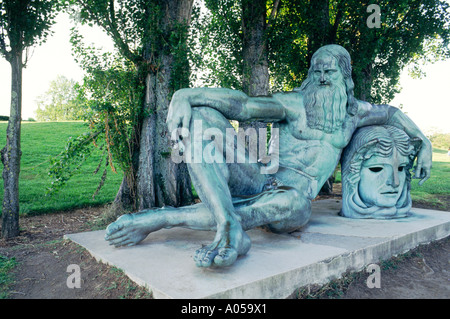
(322, 78)
(393, 179)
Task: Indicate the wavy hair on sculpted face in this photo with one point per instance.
(372, 149)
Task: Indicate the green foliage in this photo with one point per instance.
(139, 34)
(436, 190)
(6, 265)
(59, 102)
(412, 33)
(41, 143)
(123, 20)
(111, 95)
(25, 23)
(440, 140)
(68, 162)
(114, 88)
(410, 30)
(219, 33)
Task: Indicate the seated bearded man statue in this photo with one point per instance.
(311, 126)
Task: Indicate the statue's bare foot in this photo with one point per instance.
(230, 242)
(131, 229)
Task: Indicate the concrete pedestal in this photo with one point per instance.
(276, 265)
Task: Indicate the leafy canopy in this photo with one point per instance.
(25, 23)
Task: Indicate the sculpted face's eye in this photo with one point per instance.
(400, 168)
(376, 169)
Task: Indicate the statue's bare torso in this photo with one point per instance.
(311, 151)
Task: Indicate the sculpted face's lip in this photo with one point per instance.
(390, 193)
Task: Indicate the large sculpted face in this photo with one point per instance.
(375, 173)
(383, 179)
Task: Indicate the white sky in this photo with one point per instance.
(47, 61)
(426, 101)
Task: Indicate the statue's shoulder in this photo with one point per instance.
(363, 109)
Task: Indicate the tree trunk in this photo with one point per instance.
(160, 181)
(366, 84)
(255, 75)
(320, 26)
(256, 67)
(10, 154)
(126, 197)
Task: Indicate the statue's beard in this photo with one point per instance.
(326, 106)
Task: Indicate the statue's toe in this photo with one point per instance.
(204, 257)
(225, 257)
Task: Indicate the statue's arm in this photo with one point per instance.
(233, 104)
(388, 115)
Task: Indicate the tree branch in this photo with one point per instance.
(273, 13)
(3, 49)
(117, 38)
(337, 21)
(109, 24)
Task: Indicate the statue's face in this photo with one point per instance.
(382, 179)
(326, 70)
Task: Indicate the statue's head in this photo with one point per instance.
(375, 173)
(329, 85)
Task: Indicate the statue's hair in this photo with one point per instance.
(344, 61)
(366, 142)
(376, 140)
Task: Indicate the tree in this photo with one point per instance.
(23, 24)
(151, 35)
(409, 33)
(59, 102)
(237, 32)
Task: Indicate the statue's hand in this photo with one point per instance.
(424, 163)
(179, 116)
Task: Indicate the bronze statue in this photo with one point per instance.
(314, 123)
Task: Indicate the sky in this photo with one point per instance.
(426, 101)
(47, 61)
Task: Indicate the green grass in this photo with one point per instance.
(6, 279)
(39, 142)
(436, 190)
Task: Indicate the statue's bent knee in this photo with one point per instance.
(296, 212)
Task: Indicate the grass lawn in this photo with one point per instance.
(6, 278)
(436, 190)
(39, 142)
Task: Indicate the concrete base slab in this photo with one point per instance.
(276, 265)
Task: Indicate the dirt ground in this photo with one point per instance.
(43, 258)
